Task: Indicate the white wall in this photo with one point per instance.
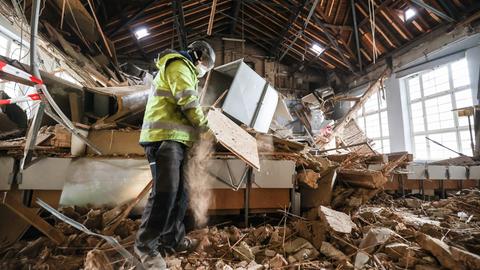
(398, 118)
(473, 59)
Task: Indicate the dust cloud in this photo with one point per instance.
(199, 180)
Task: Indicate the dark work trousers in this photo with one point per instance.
(162, 220)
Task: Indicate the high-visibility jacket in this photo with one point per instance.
(173, 111)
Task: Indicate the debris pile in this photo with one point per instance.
(388, 233)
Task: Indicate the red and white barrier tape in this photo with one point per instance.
(26, 98)
(9, 69)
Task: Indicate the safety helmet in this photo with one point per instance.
(202, 51)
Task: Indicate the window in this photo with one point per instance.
(372, 118)
(433, 95)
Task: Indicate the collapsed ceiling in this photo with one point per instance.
(327, 35)
(294, 30)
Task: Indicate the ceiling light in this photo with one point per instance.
(409, 13)
(141, 33)
(317, 48)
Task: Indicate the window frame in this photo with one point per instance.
(361, 113)
(422, 99)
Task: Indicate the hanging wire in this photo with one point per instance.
(243, 28)
(371, 11)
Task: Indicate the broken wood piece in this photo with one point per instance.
(372, 89)
(309, 178)
(391, 165)
(470, 260)
(362, 178)
(219, 99)
(30, 215)
(97, 260)
(114, 222)
(62, 138)
(336, 221)
(234, 138)
(321, 195)
(439, 249)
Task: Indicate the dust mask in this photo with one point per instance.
(201, 70)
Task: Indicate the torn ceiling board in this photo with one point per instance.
(78, 15)
(119, 90)
(234, 138)
(352, 134)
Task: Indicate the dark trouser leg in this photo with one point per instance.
(159, 215)
(176, 232)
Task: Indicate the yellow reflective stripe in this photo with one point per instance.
(190, 105)
(185, 93)
(167, 125)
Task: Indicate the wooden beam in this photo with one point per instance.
(301, 31)
(334, 42)
(212, 16)
(277, 45)
(437, 12)
(357, 41)
(30, 215)
(179, 20)
(107, 46)
(137, 14)
(235, 11)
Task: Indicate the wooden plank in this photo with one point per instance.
(74, 107)
(116, 142)
(269, 198)
(362, 178)
(260, 198)
(431, 184)
(234, 138)
(12, 226)
(212, 15)
(30, 215)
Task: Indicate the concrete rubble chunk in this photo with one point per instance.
(254, 266)
(277, 262)
(330, 251)
(270, 253)
(306, 254)
(173, 263)
(439, 249)
(375, 237)
(398, 250)
(296, 244)
(244, 252)
(336, 221)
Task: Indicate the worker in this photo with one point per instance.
(172, 121)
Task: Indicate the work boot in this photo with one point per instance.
(187, 244)
(154, 261)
